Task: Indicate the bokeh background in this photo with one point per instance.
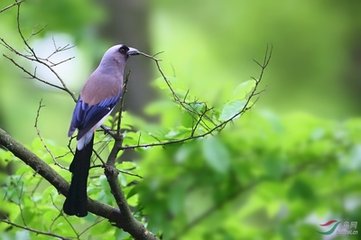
(290, 164)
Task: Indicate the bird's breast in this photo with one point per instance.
(100, 87)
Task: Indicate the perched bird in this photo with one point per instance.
(100, 94)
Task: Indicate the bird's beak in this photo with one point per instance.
(132, 51)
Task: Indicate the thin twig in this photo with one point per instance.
(36, 187)
(40, 137)
(11, 5)
(19, 203)
(130, 174)
(34, 230)
(90, 226)
(186, 106)
(122, 100)
(199, 120)
(37, 32)
(33, 75)
(21, 33)
(61, 214)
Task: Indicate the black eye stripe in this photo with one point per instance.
(123, 49)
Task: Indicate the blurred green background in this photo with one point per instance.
(278, 172)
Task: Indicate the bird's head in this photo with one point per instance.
(126, 51)
(119, 54)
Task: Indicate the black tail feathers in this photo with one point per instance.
(76, 202)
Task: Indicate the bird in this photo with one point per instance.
(101, 92)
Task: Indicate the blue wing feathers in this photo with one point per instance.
(86, 116)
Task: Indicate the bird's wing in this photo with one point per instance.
(86, 116)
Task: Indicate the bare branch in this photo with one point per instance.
(11, 5)
(36, 187)
(200, 119)
(128, 222)
(40, 137)
(130, 174)
(39, 232)
(21, 33)
(185, 105)
(122, 100)
(19, 184)
(37, 32)
(90, 226)
(61, 214)
(33, 75)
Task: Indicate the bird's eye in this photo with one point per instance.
(123, 50)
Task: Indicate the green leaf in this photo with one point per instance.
(301, 189)
(132, 192)
(198, 107)
(230, 109)
(179, 132)
(241, 91)
(216, 155)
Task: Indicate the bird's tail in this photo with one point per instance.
(77, 199)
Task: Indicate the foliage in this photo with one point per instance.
(264, 177)
(272, 180)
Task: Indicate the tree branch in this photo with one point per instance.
(11, 5)
(34, 230)
(122, 101)
(41, 138)
(121, 220)
(32, 75)
(128, 222)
